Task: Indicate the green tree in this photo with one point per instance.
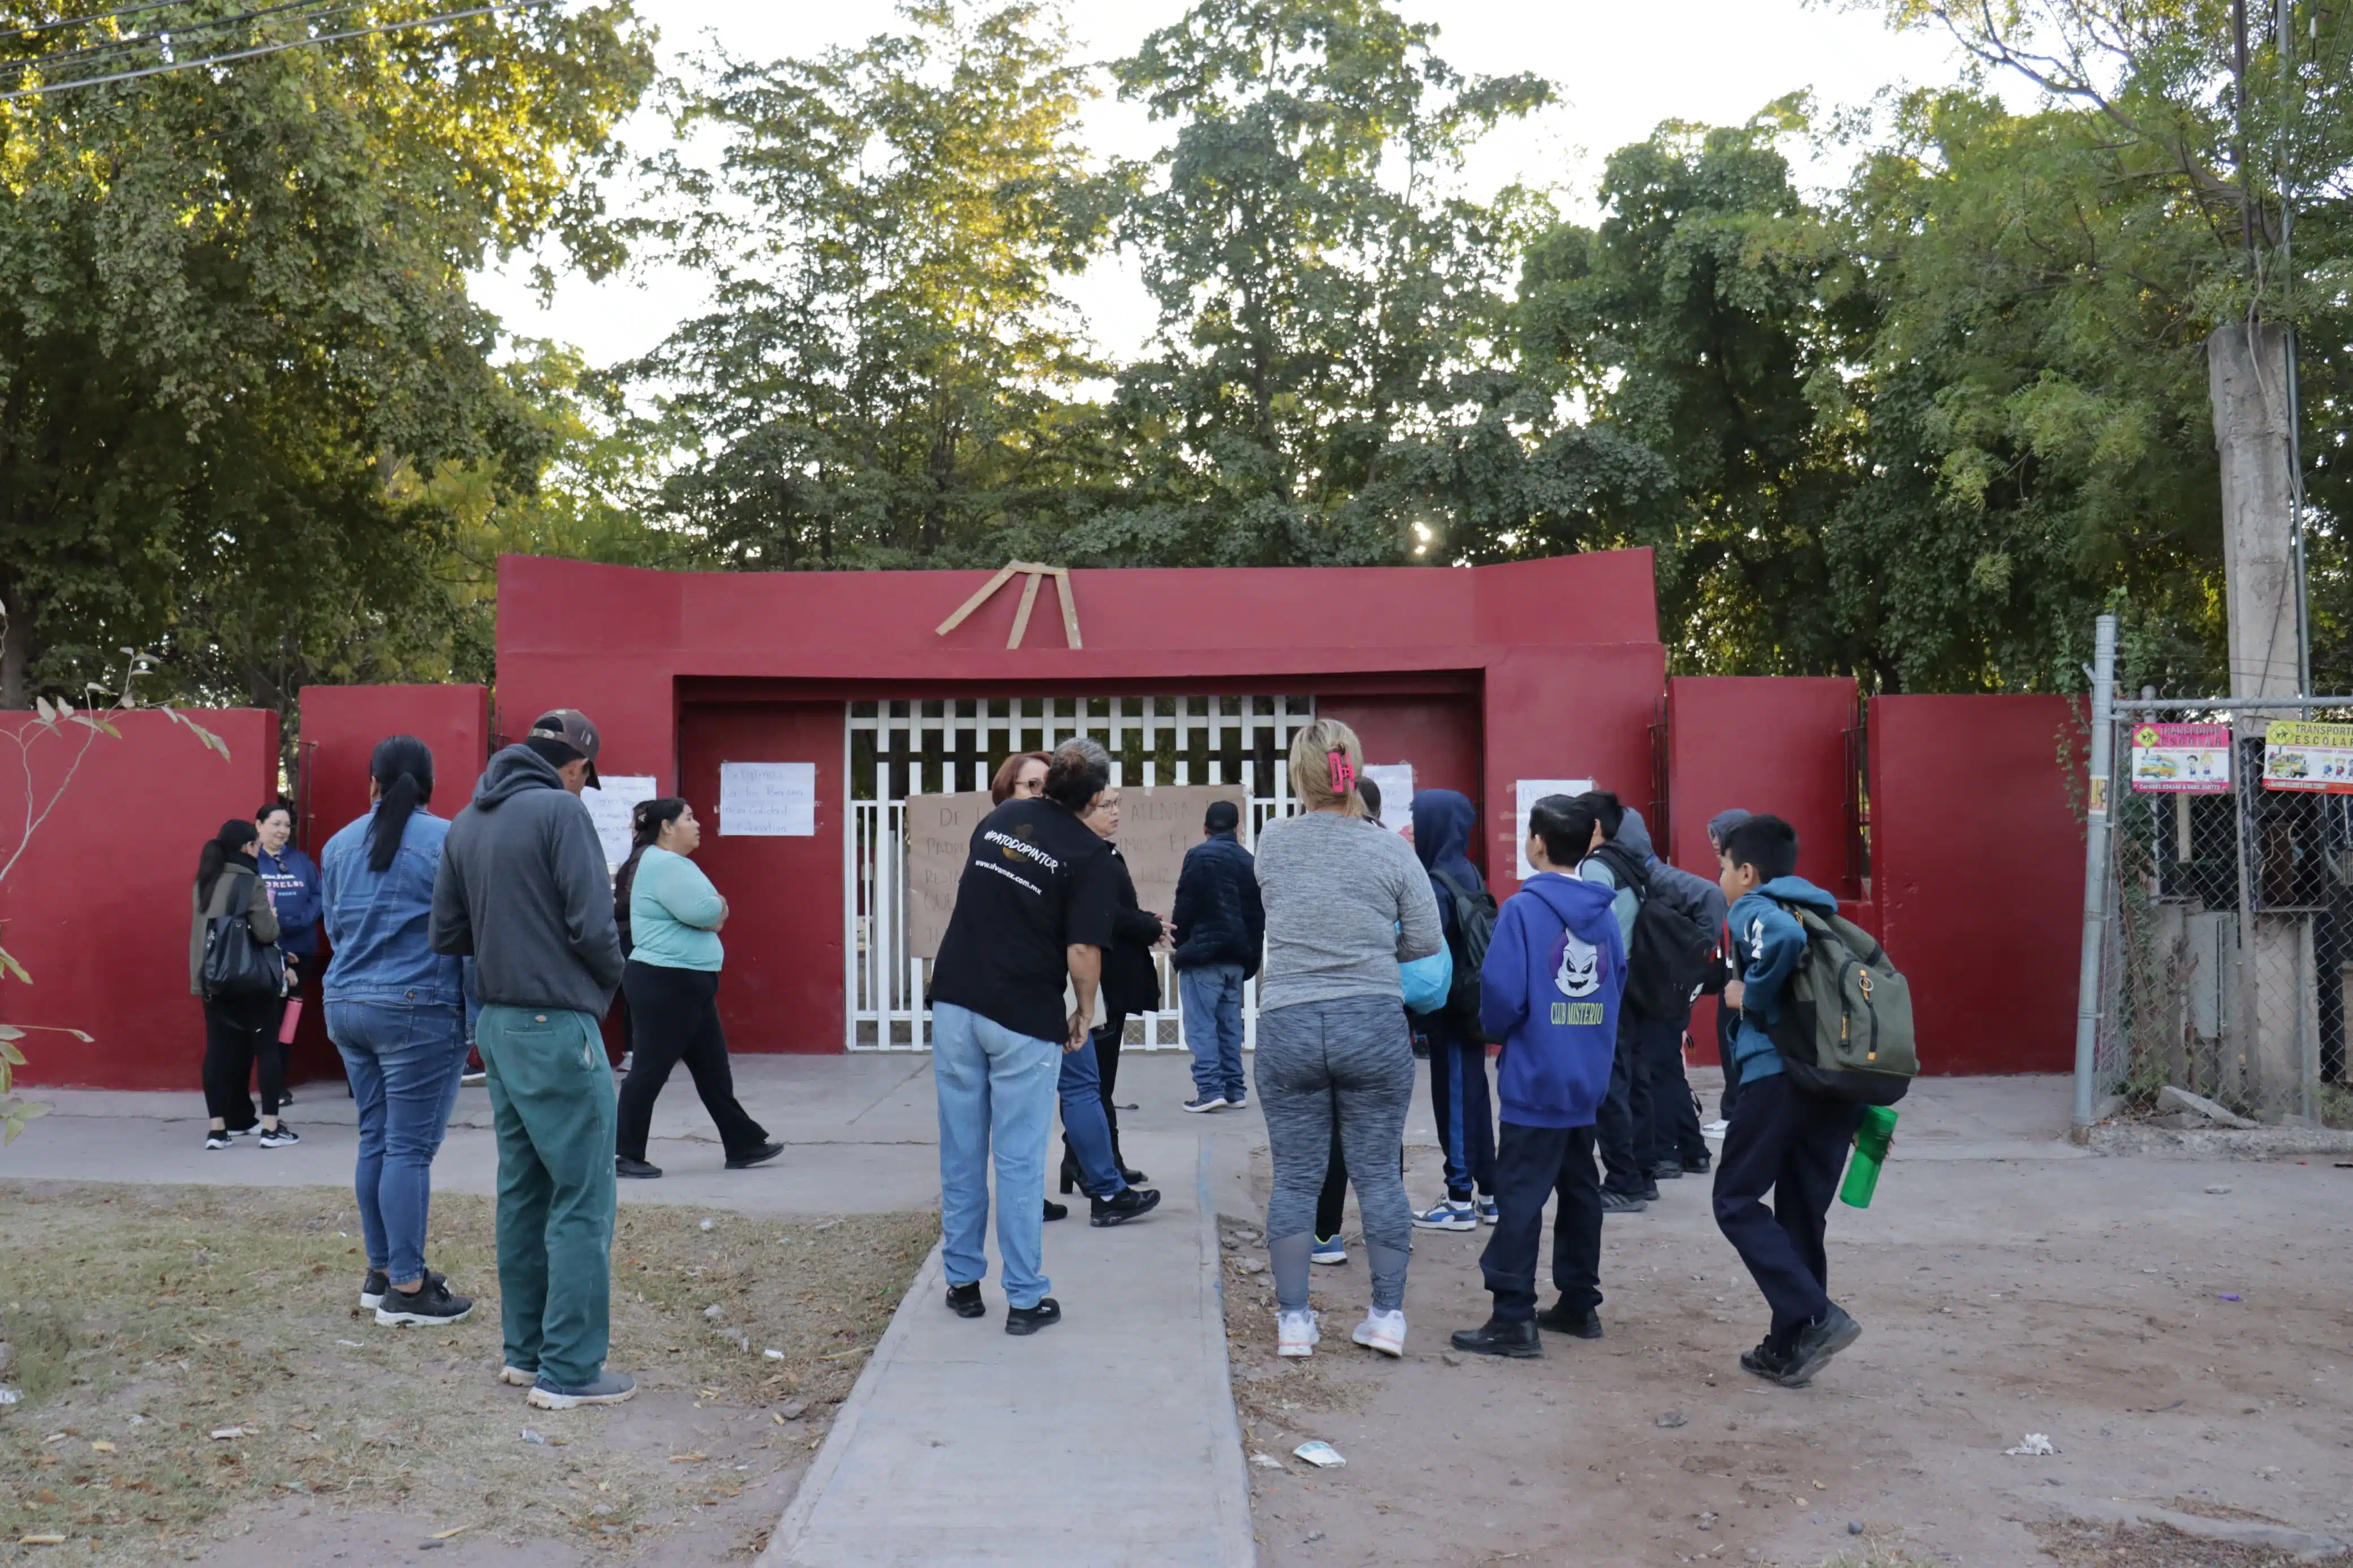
(887, 375)
(233, 307)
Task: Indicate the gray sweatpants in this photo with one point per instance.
(1353, 1054)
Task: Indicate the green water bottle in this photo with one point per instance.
(1870, 1142)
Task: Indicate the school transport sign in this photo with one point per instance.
(2313, 757)
(2181, 759)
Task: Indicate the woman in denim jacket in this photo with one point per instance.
(397, 1011)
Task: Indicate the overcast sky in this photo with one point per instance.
(1622, 67)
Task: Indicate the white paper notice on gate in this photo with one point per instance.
(1395, 781)
(768, 800)
(938, 843)
(608, 808)
(1526, 792)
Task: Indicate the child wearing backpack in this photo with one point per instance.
(1780, 1137)
(1444, 822)
(1550, 990)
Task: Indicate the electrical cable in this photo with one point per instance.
(313, 12)
(222, 58)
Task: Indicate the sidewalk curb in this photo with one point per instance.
(820, 1476)
(1232, 1474)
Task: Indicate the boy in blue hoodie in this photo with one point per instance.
(1779, 1138)
(1549, 991)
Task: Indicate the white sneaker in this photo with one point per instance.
(1383, 1331)
(1297, 1334)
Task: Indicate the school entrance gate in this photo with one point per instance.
(912, 747)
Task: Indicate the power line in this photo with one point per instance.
(29, 28)
(222, 58)
(313, 12)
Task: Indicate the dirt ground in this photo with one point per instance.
(198, 1382)
(2182, 1332)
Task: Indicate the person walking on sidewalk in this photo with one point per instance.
(1131, 984)
(1220, 924)
(295, 893)
(1344, 909)
(522, 892)
(229, 884)
(396, 1013)
(673, 917)
(1033, 914)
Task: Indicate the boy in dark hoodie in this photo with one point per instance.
(1781, 1138)
(1443, 821)
(1549, 991)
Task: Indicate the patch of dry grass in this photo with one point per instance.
(144, 1319)
(2081, 1544)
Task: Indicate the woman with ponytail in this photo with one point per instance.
(396, 1013)
(228, 883)
(670, 917)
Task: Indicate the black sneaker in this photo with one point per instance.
(286, 1099)
(1817, 1342)
(1650, 1192)
(377, 1282)
(1515, 1338)
(625, 1166)
(964, 1300)
(279, 1137)
(217, 1139)
(1029, 1319)
(1055, 1211)
(1666, 1171)
(431, 1303)
(1585, 1325)
(1622, 1203)
(760, 1156)
(1128, 1203)
(1765, 1361)
(1698, 1164)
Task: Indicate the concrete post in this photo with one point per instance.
(2095, 865)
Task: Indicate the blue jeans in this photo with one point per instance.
(1085, 1125)
(403, 1063)
(997, 1101)
(1213, 1028)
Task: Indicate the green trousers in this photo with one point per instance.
(552, 1098)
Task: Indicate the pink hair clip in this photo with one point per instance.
(1344, 777)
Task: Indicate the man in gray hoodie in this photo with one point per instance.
(522, 890)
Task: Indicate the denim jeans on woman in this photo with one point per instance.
(403, 1063)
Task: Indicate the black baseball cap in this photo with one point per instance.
(570, 727)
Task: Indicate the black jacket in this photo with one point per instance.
(1218, 917)
(1131, 984)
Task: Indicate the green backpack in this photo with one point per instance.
(1846, 1018)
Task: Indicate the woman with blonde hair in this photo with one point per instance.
(1344, 909)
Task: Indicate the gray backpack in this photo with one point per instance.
(1846, 1018)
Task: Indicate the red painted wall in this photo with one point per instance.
(1439, 735)
(1977, 872)
(97, 908)
(781, 987)
(340, 727)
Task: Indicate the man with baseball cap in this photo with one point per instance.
(523, 892)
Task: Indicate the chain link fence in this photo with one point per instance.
(2227, 964)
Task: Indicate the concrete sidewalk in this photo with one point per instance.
(1106, 1441)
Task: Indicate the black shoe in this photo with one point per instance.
(279, 1136)
(1055, 1211)
(964, 1300)
(1666, 1171)
(1585, 1325)
(760, 1156)
(1650, 1192)
(377, 1282)
(1817, 1342)
(1515, 1338)
(1697, 1164)
(1132, 1178)
(219, 1140)
(1128, 1203)
(1029, 1319)
(1622, 1203)
(431, 1303)
(285, 1099)
(1765, 1361)
(625, 1166)
(1070, 1175)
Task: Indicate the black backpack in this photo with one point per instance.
(1667, 954)
(1474, 927)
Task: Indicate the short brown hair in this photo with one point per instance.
(1000, 788)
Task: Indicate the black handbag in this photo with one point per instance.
(239, 966)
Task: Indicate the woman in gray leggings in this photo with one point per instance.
(1345, 907)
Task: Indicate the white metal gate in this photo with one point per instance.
(941, 745)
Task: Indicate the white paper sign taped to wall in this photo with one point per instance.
(768, 800)
(1530, 791)
(1395, 781)
(608, 808)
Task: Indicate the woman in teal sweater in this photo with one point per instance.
(670, 917)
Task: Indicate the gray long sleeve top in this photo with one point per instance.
(1346, 902)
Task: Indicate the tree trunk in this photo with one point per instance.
(15, 649)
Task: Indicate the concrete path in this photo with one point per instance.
(1106, 1441)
